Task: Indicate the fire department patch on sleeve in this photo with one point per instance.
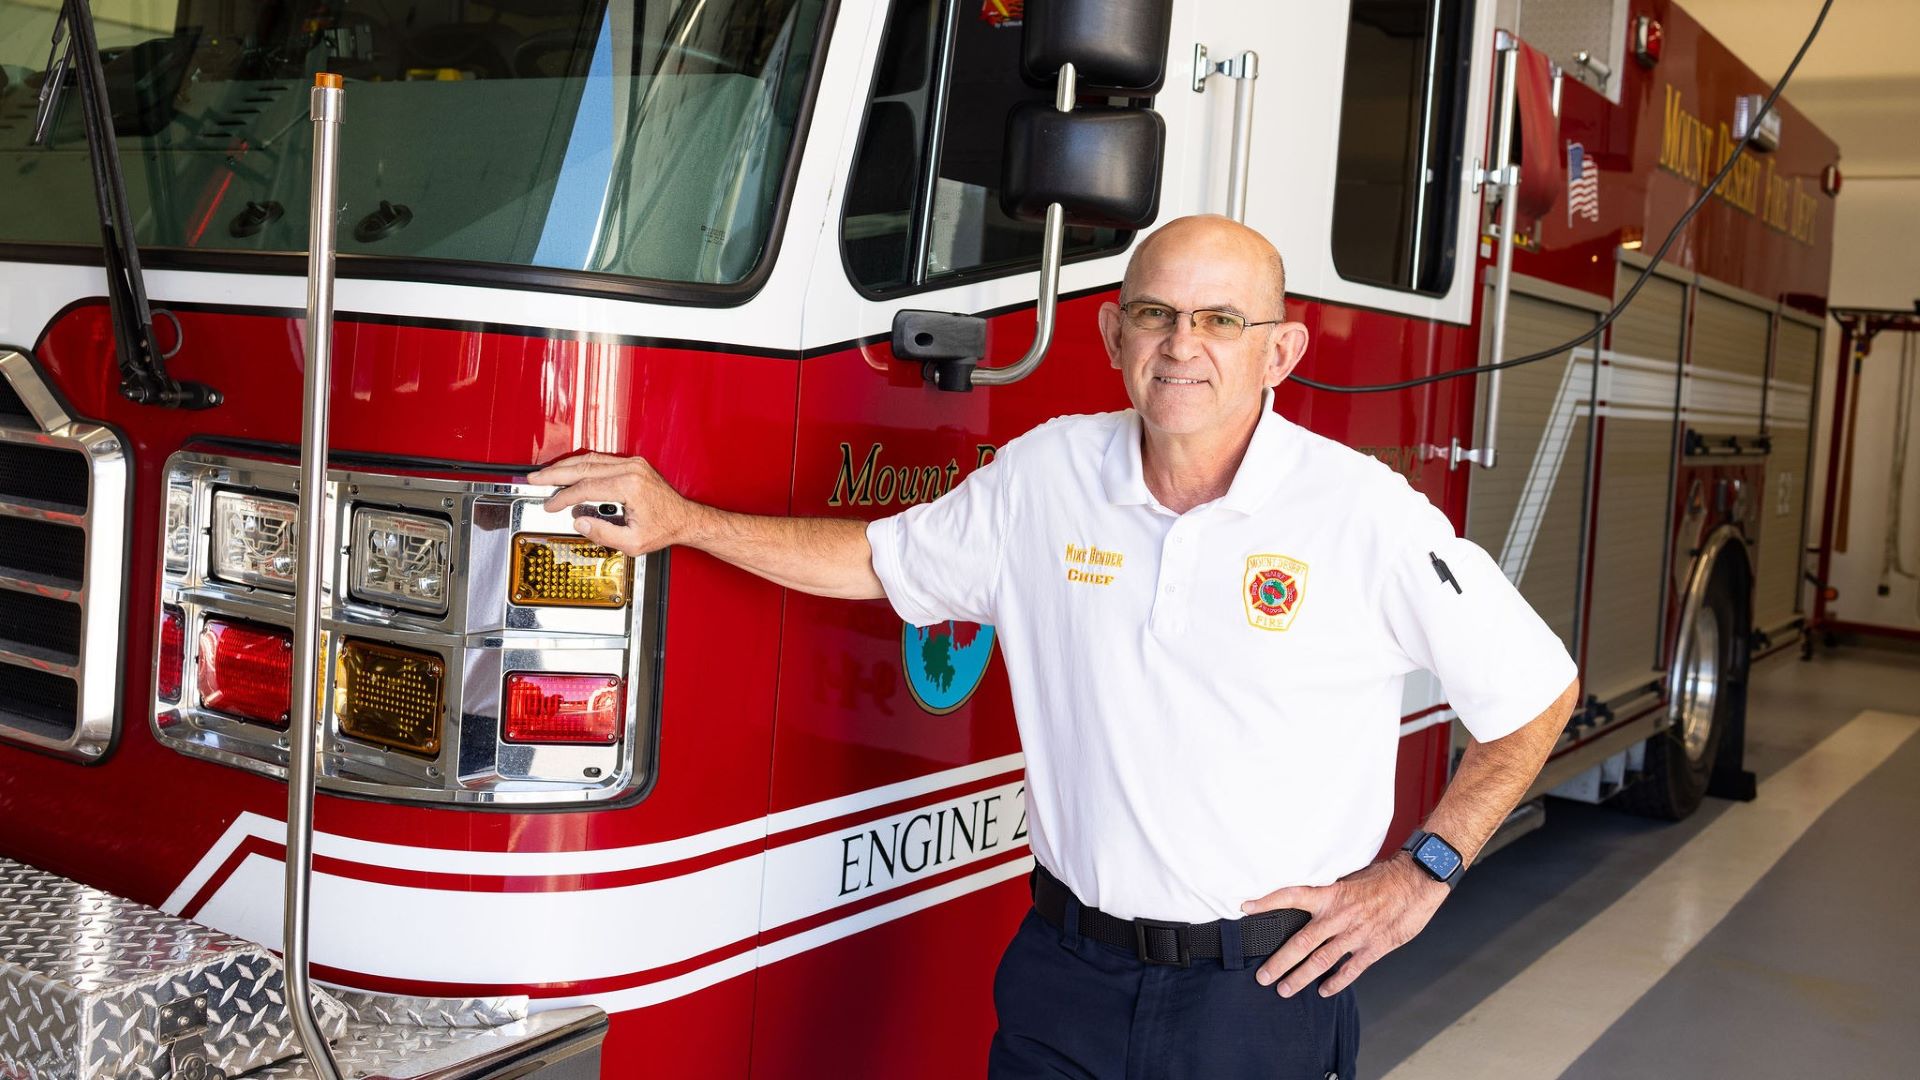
(1274, 587)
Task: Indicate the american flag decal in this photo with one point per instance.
(1583, 185)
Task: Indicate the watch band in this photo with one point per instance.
(1420, 837)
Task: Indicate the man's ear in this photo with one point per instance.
(1289, 347)
(1110, 316)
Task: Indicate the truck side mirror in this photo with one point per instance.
(1096, 166)
(1119, 46)
(1101, 165)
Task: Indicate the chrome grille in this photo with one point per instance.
(63, 512)
(54, 480)
(38, 701)
(46, 558)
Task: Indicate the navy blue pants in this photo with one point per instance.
(1070, 1006)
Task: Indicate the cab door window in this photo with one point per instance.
(923, 201)
(1402, 132)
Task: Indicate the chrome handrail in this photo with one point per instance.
(1243, 71)
(309, 681)
(1507, 176)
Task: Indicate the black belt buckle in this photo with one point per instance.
(1149, 933)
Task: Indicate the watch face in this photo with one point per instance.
(1438, 857)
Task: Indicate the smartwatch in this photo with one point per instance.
(1438, 858)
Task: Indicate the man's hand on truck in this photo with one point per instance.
(822, 556)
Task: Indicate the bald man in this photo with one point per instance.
(1206, 615)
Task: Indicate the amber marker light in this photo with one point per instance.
(568, 571)
(390, 696)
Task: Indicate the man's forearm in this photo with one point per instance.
(1494, 775)
(822, 556)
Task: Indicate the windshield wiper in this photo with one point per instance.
(143, 371)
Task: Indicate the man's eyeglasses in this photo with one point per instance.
(1214, 323)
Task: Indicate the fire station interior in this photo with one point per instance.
(1762, 939)
(812, 218)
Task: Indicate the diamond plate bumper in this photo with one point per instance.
(560, 1045)
(94, 987)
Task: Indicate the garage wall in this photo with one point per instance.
(1876, 264)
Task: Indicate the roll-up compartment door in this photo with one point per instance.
(1783, 505)
(1728, 366)
(1526, 511)
(1639, 393)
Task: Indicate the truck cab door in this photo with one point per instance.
(892, 726)
(920, 226)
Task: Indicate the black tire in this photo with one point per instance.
(1673, 780)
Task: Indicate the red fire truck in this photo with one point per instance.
(790, 251)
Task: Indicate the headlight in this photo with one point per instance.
(253, 540)
(179, 527)
(401, 560)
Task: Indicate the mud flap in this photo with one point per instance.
(1731, 778)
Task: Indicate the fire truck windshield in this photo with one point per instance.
(648, 139)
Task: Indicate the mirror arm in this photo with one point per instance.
(1051, 252)
(1043, 309)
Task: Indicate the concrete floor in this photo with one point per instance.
(1774, 940)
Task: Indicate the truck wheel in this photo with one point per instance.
(1680, 759)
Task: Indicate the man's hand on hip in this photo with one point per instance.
(1363, 916)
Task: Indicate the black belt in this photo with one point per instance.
(1170, 943)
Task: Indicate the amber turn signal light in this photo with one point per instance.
(390, 696)
(568, 571)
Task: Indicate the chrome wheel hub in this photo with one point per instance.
(1700, 683)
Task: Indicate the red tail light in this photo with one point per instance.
(173, 645)
(581, 709)
(247, 671)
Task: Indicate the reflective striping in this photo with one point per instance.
(802, 816)
(575, 863)
(428, 934)
(398, 930)
(438, 860)
(1720, 398)
(699, 979)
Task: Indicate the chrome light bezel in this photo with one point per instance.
(480, 636)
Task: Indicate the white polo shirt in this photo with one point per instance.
(1209, 702)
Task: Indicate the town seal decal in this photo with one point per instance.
(1273, 589)
(944, 663)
